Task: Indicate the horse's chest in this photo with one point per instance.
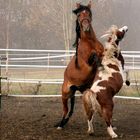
(85, 54)
(81, 75)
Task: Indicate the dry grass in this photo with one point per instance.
(27, 88)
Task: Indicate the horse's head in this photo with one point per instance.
(121, 33)
(84, 16)
(115, 34)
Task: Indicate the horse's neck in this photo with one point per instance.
(115, 60)
(111, 50)
(89, 34)
(112, 54)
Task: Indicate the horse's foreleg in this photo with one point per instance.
(107, 115)
(94, 59)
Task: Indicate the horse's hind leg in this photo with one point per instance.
(89, 112)
(66, 115)
(72, 101)
(107, 115)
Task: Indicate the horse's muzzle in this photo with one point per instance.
(85, 24)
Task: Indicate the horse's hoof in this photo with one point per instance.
(57, 125)
(59, 128)
(114, 136)
(111, 132)
(90, 133)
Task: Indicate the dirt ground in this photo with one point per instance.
(34, 119)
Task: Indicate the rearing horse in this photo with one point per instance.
(81, 70)
(107, 82)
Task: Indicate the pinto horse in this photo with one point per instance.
(107, 82)
(81, 70)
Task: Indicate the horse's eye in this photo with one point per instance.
(120, 37)
(78, 15)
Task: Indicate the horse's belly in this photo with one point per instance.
(111, 85)
(79, 77)
(117, 82)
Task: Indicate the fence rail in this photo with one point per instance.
(52, 59)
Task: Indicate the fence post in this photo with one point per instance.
(0, 82)
(1, 58)
(48, 61)
(133, 62)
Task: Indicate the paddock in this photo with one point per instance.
(26, 116)
(31, 74)
(34, 119)
(30, 118)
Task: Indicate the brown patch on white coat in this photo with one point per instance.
(108, 81)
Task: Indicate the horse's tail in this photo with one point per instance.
(127, 81)
(90, 100)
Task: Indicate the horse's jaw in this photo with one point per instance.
(86, 29)
(85, 26)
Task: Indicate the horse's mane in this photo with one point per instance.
(110, 35)
(111, 48)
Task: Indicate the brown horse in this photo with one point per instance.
(107, 82)
(81, 70)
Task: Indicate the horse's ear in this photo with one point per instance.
(77, 8)
(78, 5)
(89, 4)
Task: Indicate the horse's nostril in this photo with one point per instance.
(125, 28)
(85, 22)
